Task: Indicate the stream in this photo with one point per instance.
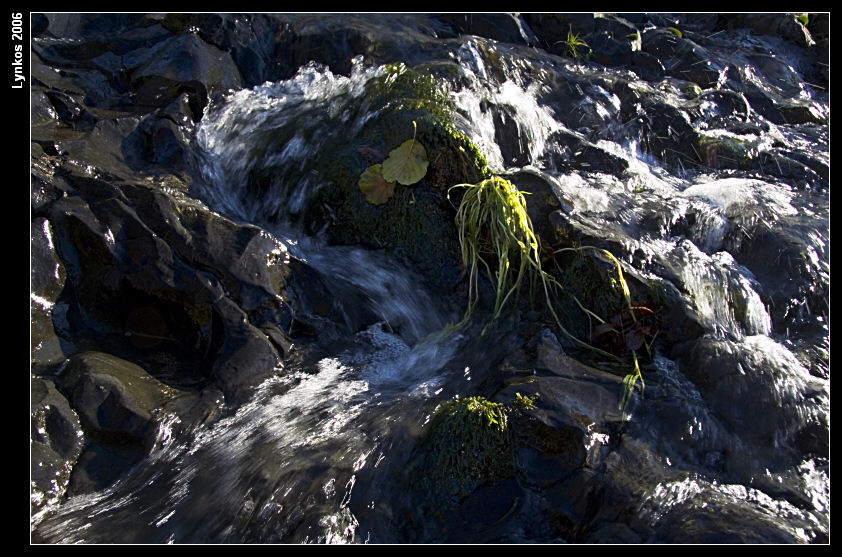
(725, 442)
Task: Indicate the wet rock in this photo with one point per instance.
(47, 278)
(647, 66)
(785, 25)
(117, 267)
(762, 375)
(182, 64)
(56, 442)
(514, 146)
(131, 290)
(508, 28)
(571, 151)
(609, 51)
(552, 29)
(660, 128)
(768, 253)
(714, 514)
(249, 38)
(112, 396)
(684, 58)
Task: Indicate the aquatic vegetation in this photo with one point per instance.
(492, 218)
(525, 402)
(633, 336)
(493, 225)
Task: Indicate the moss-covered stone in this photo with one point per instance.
(468, 443)
(417, 221)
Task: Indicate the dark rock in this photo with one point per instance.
(112, 396)
(95, 35)
(513, 143)
(130, 290)
(47, 279)
(609, 51)
(660, 129)
(785, 25)
(71, 111)
(742, 389)
(552, 29)
(246, 356)
(721, 107)
(770, 252)
(56, 442)
(92, 25)
(508, 28)
(249, 38)
(647, 66)
(159, 142)
(103, 463)
(572, 151)
(704, 23)
(683, 58)
(182, 64)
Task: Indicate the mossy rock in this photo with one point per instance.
(468, 444)
(417, 221)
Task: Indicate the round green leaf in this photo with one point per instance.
(407, 164)
(376, 189)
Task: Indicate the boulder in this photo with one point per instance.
(56, 441)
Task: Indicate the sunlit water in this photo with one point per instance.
(286, 465)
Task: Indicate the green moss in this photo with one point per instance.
(587, 282)
(722, 149)
(468, 443)
(416, 221)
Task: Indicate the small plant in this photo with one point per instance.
(674, 31)
(493, 225)
(572, 45)
(406, 165)
(492, 219)
(633, 340)
(804, 19)
(525, 402)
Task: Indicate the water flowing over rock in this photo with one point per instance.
(231, 344)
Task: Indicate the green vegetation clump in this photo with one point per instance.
(492, 219)
(363, 204)
(496, 235)
(469, 442)
(574, 46)
(723, 149)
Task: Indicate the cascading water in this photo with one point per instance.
(310, 457)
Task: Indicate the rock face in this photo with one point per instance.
(148, 308)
